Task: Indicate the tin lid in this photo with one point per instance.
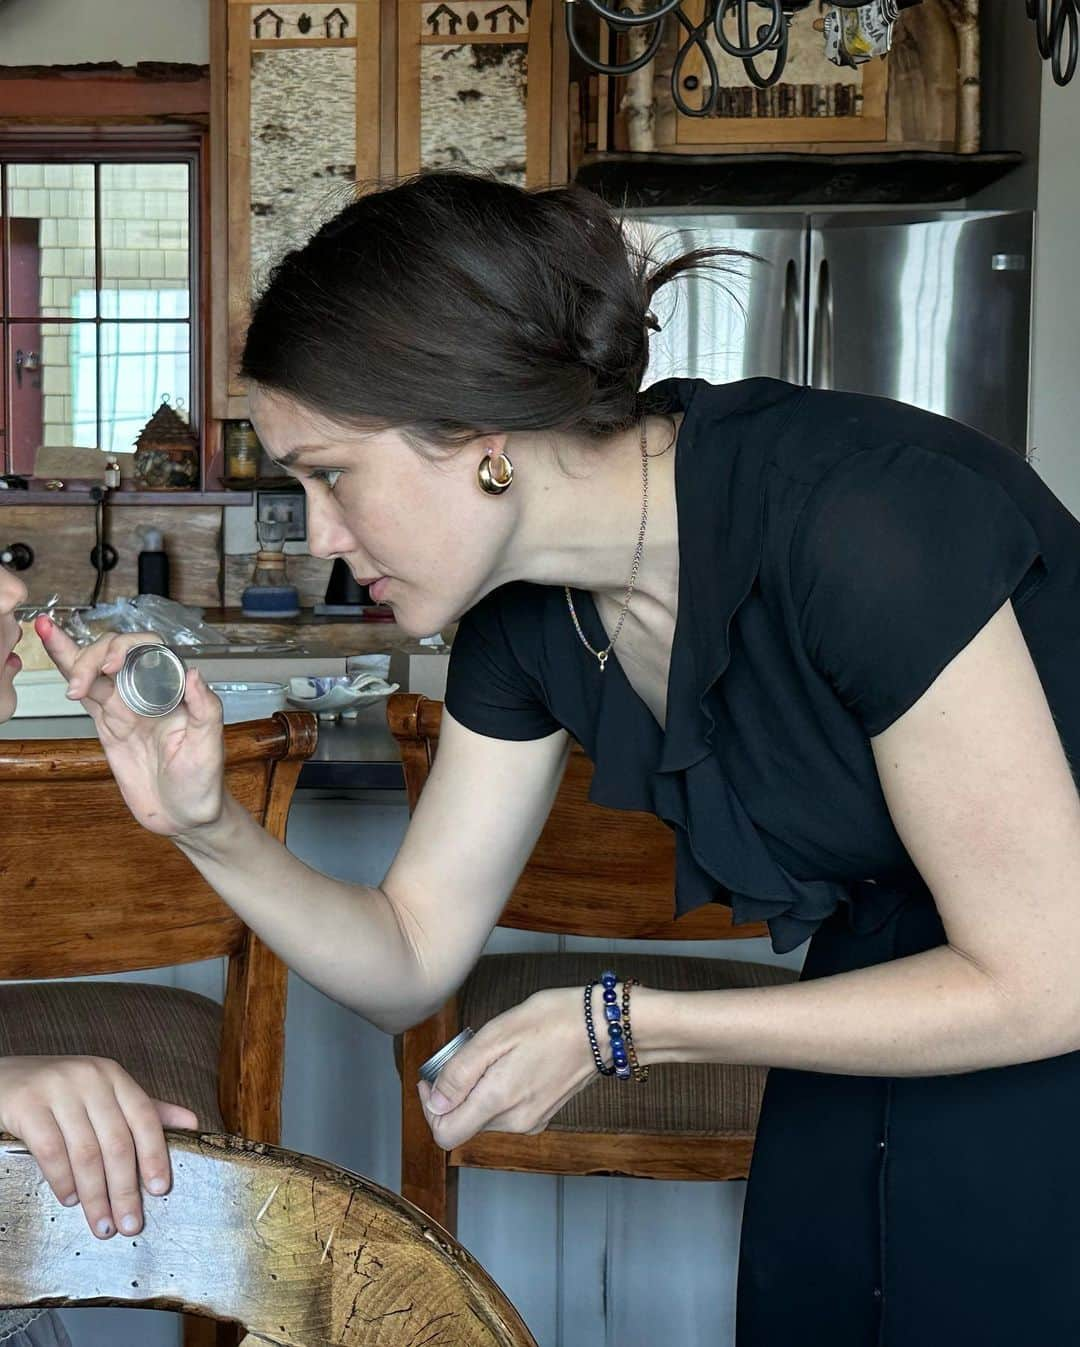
(151, 680)
(431, 1068)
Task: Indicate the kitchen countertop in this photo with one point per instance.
(350, 755)
(315, 632)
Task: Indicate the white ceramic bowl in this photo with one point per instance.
(249, 701)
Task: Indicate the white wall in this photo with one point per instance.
(1055, 388)
(60, 32)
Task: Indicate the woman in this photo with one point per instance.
(831, 640)
(93, 1130)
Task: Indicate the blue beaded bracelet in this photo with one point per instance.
(620, 1067)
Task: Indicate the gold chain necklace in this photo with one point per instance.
(603, 655)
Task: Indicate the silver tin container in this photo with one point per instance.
(151, 679)
(431, 1068)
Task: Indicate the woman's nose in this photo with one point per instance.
(328, 533)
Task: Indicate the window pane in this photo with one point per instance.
(51, 232)
(53, 388)
(140, 364)
(144, 233)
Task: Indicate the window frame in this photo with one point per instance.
(122, 144)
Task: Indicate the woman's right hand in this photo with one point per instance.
(93, 1131)
(170, 769)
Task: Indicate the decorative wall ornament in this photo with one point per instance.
(454, 18)
(297, 23)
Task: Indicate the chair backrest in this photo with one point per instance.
(84, 889)
(594, 871)
(295, 1250)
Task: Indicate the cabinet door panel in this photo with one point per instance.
(303, 127)
(474, 88)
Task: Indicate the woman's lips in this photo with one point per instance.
(13, 662)
(377, 589)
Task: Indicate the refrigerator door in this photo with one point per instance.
(745, 321)
(933, 310)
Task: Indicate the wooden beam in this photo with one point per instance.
(97, 98)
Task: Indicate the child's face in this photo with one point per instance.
(12, 593)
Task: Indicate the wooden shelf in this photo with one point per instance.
(781, 179)
(81, 496)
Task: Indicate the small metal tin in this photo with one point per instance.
(151, 679)
(431, 1068)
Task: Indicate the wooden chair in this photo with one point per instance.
(602, 873)
(296, 1251)
(84, 890)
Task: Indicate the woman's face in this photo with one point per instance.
(418, 529)
(12, 593)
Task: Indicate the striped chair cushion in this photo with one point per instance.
(168, 1040)
(689, 1100)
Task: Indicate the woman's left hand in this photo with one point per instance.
(516, 1074)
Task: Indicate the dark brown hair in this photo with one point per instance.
(452, 305)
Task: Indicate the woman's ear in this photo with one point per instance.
(490, 445)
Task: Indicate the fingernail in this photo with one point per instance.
(438, 1102)
(72, 1200)
(104, 1227)
(157, 1185)
(129, 1225)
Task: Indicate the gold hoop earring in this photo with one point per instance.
(491, 482)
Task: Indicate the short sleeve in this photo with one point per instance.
(899, 558)
(490, 688)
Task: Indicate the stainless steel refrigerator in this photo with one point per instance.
(931, 308)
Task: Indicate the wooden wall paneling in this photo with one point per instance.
(559, 169)
(239, 191)
(62, 537)
(123, 96)
(539, 96)
(217, 328)
(368, 92)
(408, 88)
(388, 85)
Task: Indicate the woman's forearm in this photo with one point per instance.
(934, 1013)
(342, 938)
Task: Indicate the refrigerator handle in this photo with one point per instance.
(821, 372)
(790, 362)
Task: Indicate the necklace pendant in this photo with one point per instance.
(602, 656)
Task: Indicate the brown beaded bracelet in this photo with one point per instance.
(640, 1073)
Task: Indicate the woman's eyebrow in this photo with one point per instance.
(291, 456)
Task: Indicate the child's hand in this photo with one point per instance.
(93, 1131)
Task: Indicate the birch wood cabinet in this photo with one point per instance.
(311, 101)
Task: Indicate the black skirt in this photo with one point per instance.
(925, 1211)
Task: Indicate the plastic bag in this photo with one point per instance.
(176, 624)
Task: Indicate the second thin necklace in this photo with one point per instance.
(602, 656)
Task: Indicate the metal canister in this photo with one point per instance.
(151, 679)
(431, 1068)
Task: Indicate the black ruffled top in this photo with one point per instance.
(836, 552)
